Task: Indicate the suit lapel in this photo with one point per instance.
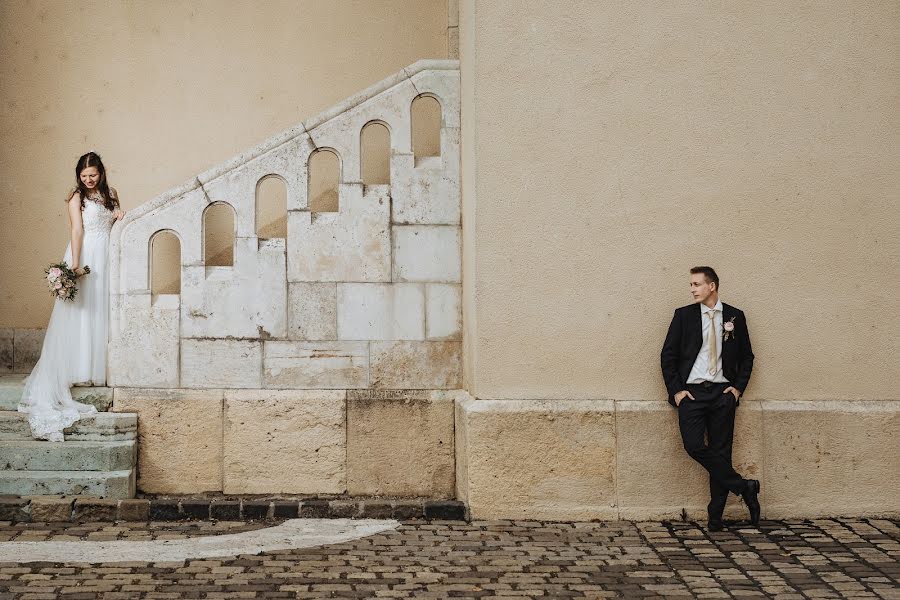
(727, 345)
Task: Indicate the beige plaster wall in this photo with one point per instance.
(163, 90)
(616, 144)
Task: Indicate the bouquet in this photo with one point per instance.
(61, 281)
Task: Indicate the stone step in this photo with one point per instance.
(33, 455)
(11, 387)
(106, 484)
(99, 427)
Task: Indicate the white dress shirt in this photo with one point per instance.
(700, 370)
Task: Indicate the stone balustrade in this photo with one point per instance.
(368, 296)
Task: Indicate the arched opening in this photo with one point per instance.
(271, 207)
(375, 153)
(165, 263)
(426, 128)
(324, 177)
(218, 235)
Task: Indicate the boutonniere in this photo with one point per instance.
(728, 326)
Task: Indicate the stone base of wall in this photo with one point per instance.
(20, 349)
(362, 442)
(91, 509)
(512, 459)
(604, 459)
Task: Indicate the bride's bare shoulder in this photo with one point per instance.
(73, 193)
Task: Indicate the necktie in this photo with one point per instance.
(713, 354)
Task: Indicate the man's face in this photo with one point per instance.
(701, 289)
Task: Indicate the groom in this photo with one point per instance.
(706, 363)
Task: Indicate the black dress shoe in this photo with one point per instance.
(751, 499)
(715, 525)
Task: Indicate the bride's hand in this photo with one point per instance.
(118, 214)
(79, 271)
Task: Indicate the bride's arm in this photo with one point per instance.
(118, 214)
(77, 227)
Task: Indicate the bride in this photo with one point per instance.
(74, 350)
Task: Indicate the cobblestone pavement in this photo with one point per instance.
(510, 559)
(105, 532)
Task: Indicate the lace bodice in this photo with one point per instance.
(96, 219)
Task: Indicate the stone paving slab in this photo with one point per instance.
(296, 533)
(831, 558)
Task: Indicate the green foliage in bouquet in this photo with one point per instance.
(61, 281)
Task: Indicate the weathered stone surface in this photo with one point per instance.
(312, 311)
(284, 442)
(33, 455)
(12, 386)
(109, 484)
(225, 510)
(153, 329)
(297, 365)
(423, 195)
(246, 300)
(401, 365)
(99, 397)
(443, 311)
(236, 183)
(671, 482)
(182, 215)
(95, 509)
(49, 509)
(426, 253)
(341, 131)
(104, 427)
(7, 344)
(15, 509)
(255, 510)
(179, 438)
(370, 395)
(826, 458)
(425, 191)
(445, 510)
(134, 510)
(350, 245)
(401, 447)
(380, 311)
(442, 84)
(221, 364)
(27, 345)
(165, 509)
(540, 459)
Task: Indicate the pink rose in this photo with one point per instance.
(55, 272)
(728, 325)
(57, 286)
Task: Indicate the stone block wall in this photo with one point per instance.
(260, 441)
(614, 459)
(368, 296)
(512, 459)
(20, 349)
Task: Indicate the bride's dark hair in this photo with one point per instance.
(92, 159)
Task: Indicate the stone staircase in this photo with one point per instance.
(97, 458)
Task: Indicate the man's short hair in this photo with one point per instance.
(709, 273)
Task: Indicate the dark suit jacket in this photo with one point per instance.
(685, 338)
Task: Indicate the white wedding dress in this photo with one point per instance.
(74, 349)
